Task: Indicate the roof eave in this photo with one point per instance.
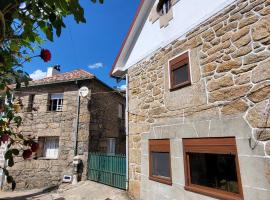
(132, 30)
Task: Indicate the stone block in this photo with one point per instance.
(185, 131)
(202, 128)
(242, 51)
(228, 65)
(241, 33)
(243, 148)
(267, 151)
(134, 188)
(194, 65)
(135, 128)
(237, 127)
(193, 95)
(247, 21)
(254, 176)
(176, 148)
(243, 41)
(262, 134)
(261, 29)
(177, 166)
(224, 81)
(243, 78)
(255, 58)
(261, 72)
(144, 147)
(145, 165)
(252, 193)
(260, 92)
(229, 93)
(235, 107)
(258, 115)
(201, 113)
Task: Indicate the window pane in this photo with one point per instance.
(180, 75)
(57, 96)
(51, 147)
(214, 170)
(160, 165)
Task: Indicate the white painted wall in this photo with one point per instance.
(187, 15)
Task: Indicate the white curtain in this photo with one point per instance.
(51, 147)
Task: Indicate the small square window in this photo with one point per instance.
(160, 161)
(211, 167)
(48, 147)
(55, 102)
(179, 72)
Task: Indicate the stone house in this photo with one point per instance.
(50, 109)
(198, 79)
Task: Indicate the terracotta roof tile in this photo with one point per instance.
(68, 76)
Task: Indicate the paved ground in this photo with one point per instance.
(86, 190)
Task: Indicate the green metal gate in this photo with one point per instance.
(107, 169)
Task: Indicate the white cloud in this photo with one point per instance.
(38, 74)
(96, 65)
(123, 87)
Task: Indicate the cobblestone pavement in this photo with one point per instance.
(86, 190)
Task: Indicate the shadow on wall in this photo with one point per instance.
(28, 196)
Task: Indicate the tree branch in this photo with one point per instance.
(2, 27)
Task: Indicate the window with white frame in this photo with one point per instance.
(55, 102)
(48, 147)
(111, 143)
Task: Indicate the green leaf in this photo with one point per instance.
(10, 179)
(18, 120)
(10, 162)
(8, 154)
(15, 152)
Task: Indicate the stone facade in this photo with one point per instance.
(98, 117)
(229, 96)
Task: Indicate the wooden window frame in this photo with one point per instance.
(162, 146)
(211, 145)
(176, 63)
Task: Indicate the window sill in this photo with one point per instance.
(213, 193)
(182, 85)
(167, 181)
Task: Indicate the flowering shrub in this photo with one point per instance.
(45, 55)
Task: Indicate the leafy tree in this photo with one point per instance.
(24, 26)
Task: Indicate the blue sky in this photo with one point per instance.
(92, 46)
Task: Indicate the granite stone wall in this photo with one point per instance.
(229, 96)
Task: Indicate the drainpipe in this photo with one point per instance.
(127, 133)
(77, 122)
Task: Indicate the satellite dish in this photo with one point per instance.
(83, 91)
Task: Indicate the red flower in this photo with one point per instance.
(5, 137)
(45, 55)
(34, 147)
(27, 153)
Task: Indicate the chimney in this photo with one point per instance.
(53, 70)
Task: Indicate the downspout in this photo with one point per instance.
(77, 122)
(127, 133)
